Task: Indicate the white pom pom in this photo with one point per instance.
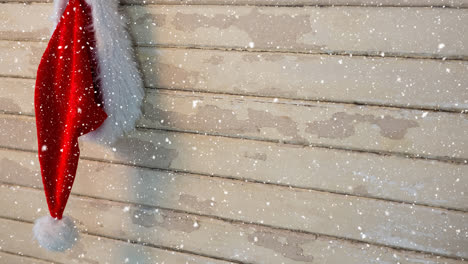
(55, 235)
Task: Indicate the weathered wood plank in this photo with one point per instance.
(363, 174)
(307, 29)
(433, 134)
(366, 30)
(243, 242)
(20, 59)
(369, 220)
(433, 84)
(17, 95)
(16, 237)
(416, 83)
(13, 24)
(8, 258)
(415, 3)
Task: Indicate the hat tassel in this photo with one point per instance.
(55, 234)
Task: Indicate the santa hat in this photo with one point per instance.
(87, 83)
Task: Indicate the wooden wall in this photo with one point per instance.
(287, 131)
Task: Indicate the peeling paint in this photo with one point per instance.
(286, 244)
(157, 20)
(213, 118)
(256, 156)
(150, 217)
(8, 104)
(342, 125)
(264, 29)
(284, 124)
(195, 204)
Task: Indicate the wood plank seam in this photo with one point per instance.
(320, 45)
(298, 100)
(305, 113)
(233, 221)
(292, 105)
(316, 145)
(123, 240)
(26, 256)
(247, 95)
(451, 169)
(376, 54)
(446, 84)
(3, 112)
(146, 244)
(252, 181)
(253, 96)
(445, 159)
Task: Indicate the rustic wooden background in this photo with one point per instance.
(288, 131)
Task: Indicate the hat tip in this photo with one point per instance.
(55, 234)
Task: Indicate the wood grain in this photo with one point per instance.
(20, 259)
(362, 174)
(368, 220)
(20, 59)
(307, 29)
(376, 129)
(244, 242)
(430, 134)
(434, 84)
(90, 249)
(203, 179)
(17, 95)
(427, 84)
(424, 32)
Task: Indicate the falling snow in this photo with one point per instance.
(270, 132)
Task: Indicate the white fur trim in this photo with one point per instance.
(121, 83)
(59, 7)
(55, 235)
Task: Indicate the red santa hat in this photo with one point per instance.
(88, 84)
